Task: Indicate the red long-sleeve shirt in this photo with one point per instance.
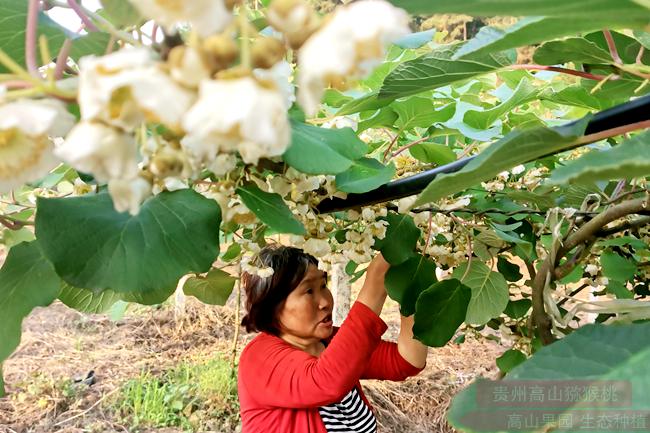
(281, 387)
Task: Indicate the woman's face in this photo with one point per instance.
(305, 318)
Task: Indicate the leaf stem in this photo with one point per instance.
(82, 16)
(62, 58)
(612, 47)
(408, 146)
(581, 74)
(31, 29)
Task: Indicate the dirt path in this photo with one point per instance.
(60, 344)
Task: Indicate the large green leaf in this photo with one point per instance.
(121, 12)
(405, 282)
(92, 245)
(213, 289)
(364, 175)
(401, 236)
(150, 297)
(437, 69)
(420, 112)
(270, 209)
(616, 267)
(439, 311)
(627, 160)
(595, 354)
(515, 148)
(528, 31)
(578, 50)
(27, 280)
(317, 150)
(87, 301)
(524, 92)
(509, 360)
(489, 291)
(619, 11)
(13, 16)
(433, 153)
(366, 102)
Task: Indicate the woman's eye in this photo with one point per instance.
(309, 291)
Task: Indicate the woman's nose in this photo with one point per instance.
(326, 300)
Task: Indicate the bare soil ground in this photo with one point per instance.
(59, 344)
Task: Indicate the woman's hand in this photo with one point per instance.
(373, 292)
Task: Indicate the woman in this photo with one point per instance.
(300, 374)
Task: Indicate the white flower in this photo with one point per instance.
(25, 145)
(591, 269)
(237, 114)
(280, 74)
(205, 16)
(518, 169)
(128, 87)
(317, 247)
(223, 164)
(188, 66)
(404, 204)
(128, 194)
(340, 122)
(460, 202)
(350, 44)
(368, 214)
(107, 153)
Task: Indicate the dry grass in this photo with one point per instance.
(60, 344)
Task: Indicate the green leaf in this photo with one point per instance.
(636, 243)
(528, 31)
(385, 117)
(366, 102)
(92, 43)
(525, 92)
(576, 50)
(439, 311)
(627, 160)
(616, 267)
(574, 276)
(516, 148)
(489, 291)
(336, 149)
(420, 112)
(151, 297)
(92, 245)
(593, 353)
(433, 153)
(510, 359)
(13, 16)
(232, 252)
(27, 280)
(270, 209)
(121, 12)
(416, 40)
(405, 282)
(438, 69)
(510, 271)
(14, 237)
(401, 237)
(213, 289)
(518, 309)
(619, 290)
(2, 383)
(364, 175)
(618, 11)
(87, 301)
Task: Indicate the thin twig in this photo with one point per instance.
(639, 56)
(104, 397)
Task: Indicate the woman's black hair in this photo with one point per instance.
(264, 296)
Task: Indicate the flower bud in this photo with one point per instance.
(266, 52)
(295, 19)
(221, 50)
